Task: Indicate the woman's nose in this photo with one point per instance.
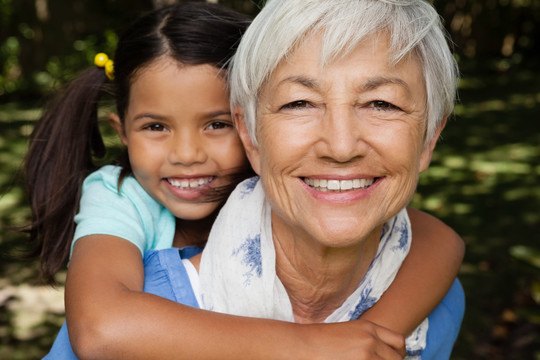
(342, 135)
(187, 149)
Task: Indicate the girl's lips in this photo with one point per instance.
(190, 183)
(189, 188)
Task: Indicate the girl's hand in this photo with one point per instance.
(360, 339)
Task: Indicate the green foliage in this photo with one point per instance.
(6, 10)
(10, 72)
(57, 70)
(483, 181)
(60, 70)
(30, 313)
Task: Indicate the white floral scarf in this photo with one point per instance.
(238, 275)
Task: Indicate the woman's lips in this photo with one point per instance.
(339, 185)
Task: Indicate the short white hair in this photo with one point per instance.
(413, 27)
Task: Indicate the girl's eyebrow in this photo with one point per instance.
(148, 115)
(219, 113)
(153, 116)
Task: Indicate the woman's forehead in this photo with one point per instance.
(372, 56)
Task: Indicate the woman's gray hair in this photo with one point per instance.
(413, 26)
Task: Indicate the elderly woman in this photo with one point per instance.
(339, 105)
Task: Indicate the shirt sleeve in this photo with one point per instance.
(444, 324)
(104, 210)
(166, 276)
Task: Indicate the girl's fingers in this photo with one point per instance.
(394, 340)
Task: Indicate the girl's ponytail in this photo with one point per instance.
(67, 136)
(59, 158)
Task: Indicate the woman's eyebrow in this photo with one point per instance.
(379, 81)
(301, 80)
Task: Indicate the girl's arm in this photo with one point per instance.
(425, 277)
(109, 317)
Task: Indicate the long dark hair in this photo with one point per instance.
(66, 139)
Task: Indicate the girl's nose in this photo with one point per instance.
(187, 149)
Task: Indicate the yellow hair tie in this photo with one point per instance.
(103, 61)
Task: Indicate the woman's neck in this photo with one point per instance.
(318, 281)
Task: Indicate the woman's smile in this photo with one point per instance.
(344, 191)
(323, 184)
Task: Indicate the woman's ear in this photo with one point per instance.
(116, 123)
(252, 151)
(427, 153)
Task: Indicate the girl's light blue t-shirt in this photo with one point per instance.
(129, 213)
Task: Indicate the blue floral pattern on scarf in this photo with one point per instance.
(404, 238)
(366, 301)
(248, 186)
(250, 250)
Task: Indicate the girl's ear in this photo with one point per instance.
(252, 151)
(427, 153)
(116, 123)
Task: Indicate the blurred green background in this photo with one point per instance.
(484, 179)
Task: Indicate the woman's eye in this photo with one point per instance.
(217, 125)
(383, 105)
(299, 104)
(155, 127)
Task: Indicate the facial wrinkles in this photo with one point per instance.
(271, 182)
(344, 89)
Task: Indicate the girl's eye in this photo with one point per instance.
(217, 125)
(299, 104)
(382, 105)
(155, 127)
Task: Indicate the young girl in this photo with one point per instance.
(184, 157)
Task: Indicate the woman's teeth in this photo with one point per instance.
(184, 184)
(339, 185)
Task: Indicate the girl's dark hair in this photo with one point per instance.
(67, 138)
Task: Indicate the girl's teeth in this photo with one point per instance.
(190, 184)
(339, 185)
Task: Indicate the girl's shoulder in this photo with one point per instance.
(102, 187)
(107, 174)
(107, 177)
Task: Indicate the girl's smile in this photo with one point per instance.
(190, 183)
(190, 188)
